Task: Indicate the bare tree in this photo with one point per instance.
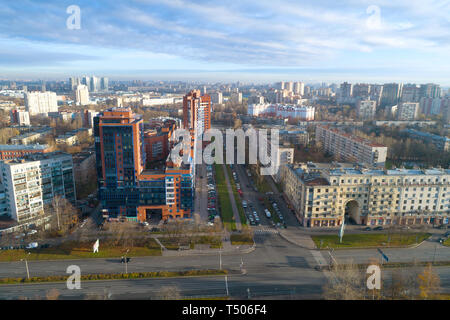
(429, 283)
(65, 214)
(345, 283)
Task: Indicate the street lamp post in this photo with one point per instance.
(26, 266)
(126, 261)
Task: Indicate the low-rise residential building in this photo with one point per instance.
(295, 136)
(305, 113)
(346, 147)
(26, 138)
(30, 184)
(441, 143)
(31, 136)
(69, 139)
(324, 195)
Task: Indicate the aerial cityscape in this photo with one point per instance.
(157, 161)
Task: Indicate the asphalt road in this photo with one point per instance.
(275, 267)
(201, 192)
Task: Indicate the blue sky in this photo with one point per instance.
(247, 40)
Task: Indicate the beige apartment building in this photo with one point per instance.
(346, 147)
(323, 195)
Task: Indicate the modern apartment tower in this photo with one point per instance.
(134, 186)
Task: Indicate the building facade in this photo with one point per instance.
(304, 113)
(20, 117)
(366, 109)
(134, 187)
(325, 195)
(30, 184)
(40, 102)
(8, 151)
(408, 111)
(81, 95)
(346, 147)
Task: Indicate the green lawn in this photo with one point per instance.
(224, 199)
(237, 198)
(369, 240)
(447, 242)
(82, 250)
(240, 239)
(174, 243)
(118, 276)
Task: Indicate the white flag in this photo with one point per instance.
(96, 245)
(341, 231)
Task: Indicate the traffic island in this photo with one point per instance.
(117, 276)
(356, 241)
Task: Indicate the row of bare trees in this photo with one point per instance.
(348, 282)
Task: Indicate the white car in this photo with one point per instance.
(32, 245)
(32, 232)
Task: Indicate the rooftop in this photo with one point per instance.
(12, 147)
(354, 138)
(38, 157)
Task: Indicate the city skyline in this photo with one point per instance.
(374, 41)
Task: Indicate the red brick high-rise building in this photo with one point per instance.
(196, 115)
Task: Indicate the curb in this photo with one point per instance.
(228, 252)
(412, 246)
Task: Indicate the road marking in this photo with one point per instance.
(321, 261)
(266, 230)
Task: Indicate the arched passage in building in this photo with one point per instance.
(352, 212)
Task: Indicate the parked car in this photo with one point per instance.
(32, 245)
(367, 229)
(378, 228)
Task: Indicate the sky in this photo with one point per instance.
(245, 40)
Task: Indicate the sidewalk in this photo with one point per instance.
(294, 236)
(237, 219)
(227, 249)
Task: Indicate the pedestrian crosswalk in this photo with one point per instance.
(266, 230)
